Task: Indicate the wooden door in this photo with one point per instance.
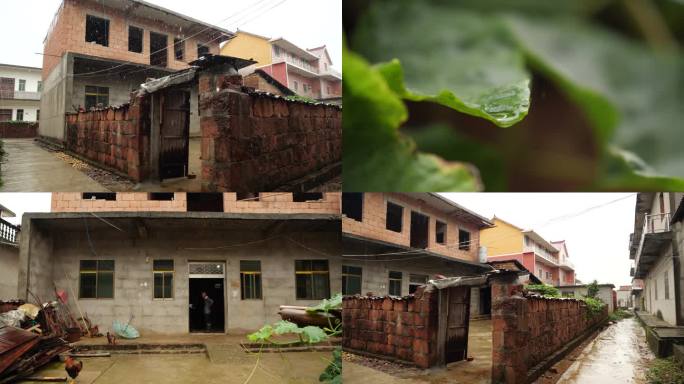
(175, 134)
(458, 312)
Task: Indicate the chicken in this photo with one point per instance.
(111, 339)
(72, 366)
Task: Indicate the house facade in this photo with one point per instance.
(96, 53)
(9, 255)
(606, 293)
(395, 242)
(655, 248)
(307, 72)
(149, 256)
(20, 90)
(624, 297)
(549, 261)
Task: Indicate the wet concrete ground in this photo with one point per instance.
(28, 167)
(619, 355)
(273, 368)
(477, 371)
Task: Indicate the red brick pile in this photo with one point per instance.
(257, 142)
(403, 329)
(115, 137)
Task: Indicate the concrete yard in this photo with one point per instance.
(273, 368)
(477, 371)
(28, 167)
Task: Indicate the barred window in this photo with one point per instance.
(416, 281)
(96, 279)
(163, 279)
(351, 280)
(312, 279)
(250, 279)
(395, 283)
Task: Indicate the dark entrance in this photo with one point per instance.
(159, 55)
(175, 134)
(419, 230)
(214, 288)
(454, 312)
(486, 301)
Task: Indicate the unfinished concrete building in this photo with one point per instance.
(396, 242)
(97, 52)
(9, 255)
(149, 256)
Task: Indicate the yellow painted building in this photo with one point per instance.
(247, 45)
(502, 239)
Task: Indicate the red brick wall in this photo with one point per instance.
(255, 142)
(68, 35)
(527, 330)
(18, 130)
(398, 328)
(269, 202)
(115, 137)
(373, 225)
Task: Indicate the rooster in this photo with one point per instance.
(72, 367)
(111, 339)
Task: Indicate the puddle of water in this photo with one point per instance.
(616, 356)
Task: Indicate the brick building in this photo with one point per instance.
(549, 261)
(395, 242)
(97, 52)
(151, 255)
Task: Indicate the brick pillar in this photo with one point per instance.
(510, 331)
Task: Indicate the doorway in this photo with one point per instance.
(206, 277)
(452, 332)
(419, 230)
(486, 301)
(175, 134)
(159, 56)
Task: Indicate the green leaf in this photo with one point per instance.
(313, 334)
(447, 55)
(632, 95)
(261, 335)
(326, 305)
(376, 156)
(284, 326)
(333, 372)
(623, 171)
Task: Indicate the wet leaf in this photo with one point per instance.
(326, 305)
(261, 335)
(283, 327)
(376, 156)
(313, 334)
(633, 95)
(447, 55)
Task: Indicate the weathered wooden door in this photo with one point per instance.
(175, 134)
(458, 313)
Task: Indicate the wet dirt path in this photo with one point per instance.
(619, 355)
(29, 168)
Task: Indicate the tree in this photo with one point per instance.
(592, 289)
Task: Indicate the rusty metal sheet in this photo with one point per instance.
(14, 342)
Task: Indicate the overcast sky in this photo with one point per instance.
(307, 23)
(597, 240)
(19, 203)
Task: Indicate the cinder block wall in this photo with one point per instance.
(399, 328)
(528, 330)
(18, 130)
(256, 142)
(373, 225)
(118, 138)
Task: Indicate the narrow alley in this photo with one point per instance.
(28, 167)
(618, 355)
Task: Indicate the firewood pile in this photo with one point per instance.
(32, 335)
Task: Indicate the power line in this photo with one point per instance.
(181, 41)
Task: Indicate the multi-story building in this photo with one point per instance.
(655, 247)
(20, 89)
(395, 242)
(549, 261)
(624, 296)
(307, 72)
(150, 255)
(97, 52)
(9, 255)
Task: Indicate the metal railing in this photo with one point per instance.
(8, 232)
(655, 223)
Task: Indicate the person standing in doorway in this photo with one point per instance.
(208, 302)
